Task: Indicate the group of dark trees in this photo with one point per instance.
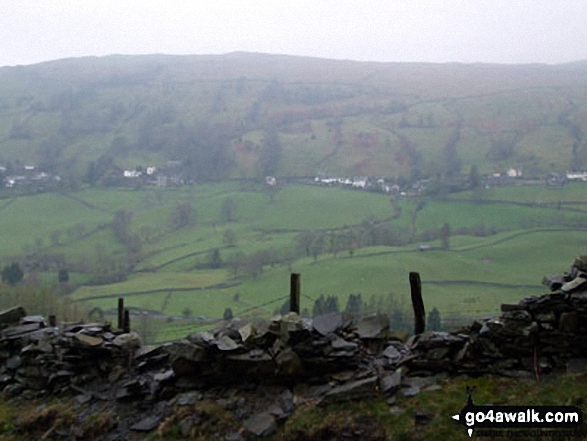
(369, 233)
(183, 216)
(121, 226)
(12, 274)
(356, 308)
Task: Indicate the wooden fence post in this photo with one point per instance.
(417, 303)
(126, 326)
(294, 293)
(52, 321)
(120, 323)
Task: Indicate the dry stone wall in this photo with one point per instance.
(326, 360)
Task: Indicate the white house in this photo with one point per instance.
(359, 183)
(132, 174)
(513, 173)
(577, 176)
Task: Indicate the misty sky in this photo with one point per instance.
(496, 31)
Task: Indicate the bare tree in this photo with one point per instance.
(229, 238)
(183, 216)
(228, 210)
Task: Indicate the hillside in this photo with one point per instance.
(250, 115)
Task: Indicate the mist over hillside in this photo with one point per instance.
(245, 115)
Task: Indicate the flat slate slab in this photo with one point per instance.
(146, 424)
(262, 424)
(12, 315)
(327, 323)
(350, 391)
(372, 326)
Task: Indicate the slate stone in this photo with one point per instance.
(373, 326)
(546, 317)
(225, 343)
(508, 307)
(188, 399)
(5, 379)
(343, 376)
(289, 364)
(419, 382)
(392, 353)
(245, 332)
(87, 340)
(203, 339)
(19, 331)
(13, 390)
(148, 351)
(437, 353)
(578, 284)
(12, 315)
(146, 424)
(411, 391)
(356, 389)
(14, 363)
(234, 436)
(568, 322)
(328, 323)
(37, 319)
(185, 357)
(262, 424)
(339, 344)
(83, 398)
(286, 401)
(61, 374)
(186, 425)
(390, 383)
(129, 341)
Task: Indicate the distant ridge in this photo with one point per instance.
(348, 117)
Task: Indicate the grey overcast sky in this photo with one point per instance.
(494, 31)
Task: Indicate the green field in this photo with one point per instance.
(532, 237)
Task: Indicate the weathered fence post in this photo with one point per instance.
(294, 293)
(52, 321)
(126, 326)
(120, 313)
(417, 303)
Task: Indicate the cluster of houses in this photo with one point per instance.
(510, 173)
(137, 173)
(27, 176)
(361, 183)
(157, 176)
(557, 179)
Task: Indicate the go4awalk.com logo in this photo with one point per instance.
(517, 417)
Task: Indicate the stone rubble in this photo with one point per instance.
(261, 370)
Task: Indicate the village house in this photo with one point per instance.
(132, 173)
(577, 176)
(556, 179)
(513, 173)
